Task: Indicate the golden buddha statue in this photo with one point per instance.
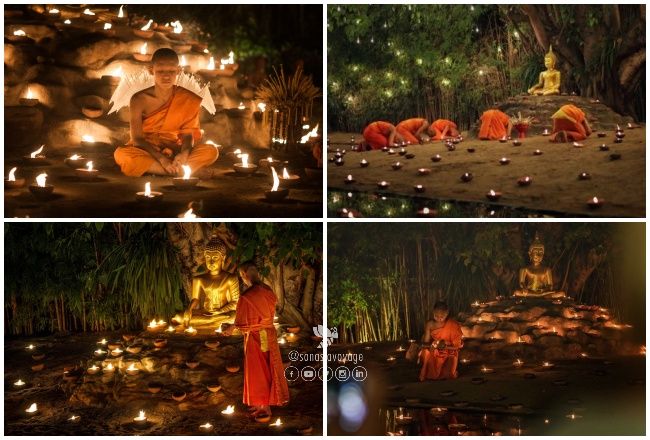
(215, 293)
(537, 280)
(549, 80)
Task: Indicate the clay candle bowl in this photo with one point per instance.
(614, 156)
(584, 176)
(38, 357)
(92, 112)
(391, 151)
(471, 150)
(493, 195)
(93, 370)
(409, 155)
(397, 166)
(88, 173)
(451, 147)
(516, 143)
(402, 151)
(244, 167)
(601, 134)
(134, 349)
(159, 343)
(41, 190)
(75, 161)
(603, 147)
(11, 181)
(364, 163)
(36, 158)
(29, 100)
(426, 212)
(192, 364)
(595, 202)
(277, 195)
(349, 179)
(288, 180)
(179, 396)
(142, 56)
(232, 368)
(504, 161)
(618, 140)
(503, 140)
(187, 181)
(436, 158)
(466, 177)
(419, 188)
(154, 387)
(545, 132)
(214, 388)
(141, 420)
(338, 161)
(383, 184)
(620, 134)
(538, 152)
(38, 367)
(424, 171)
(148, 196)
(524, 181)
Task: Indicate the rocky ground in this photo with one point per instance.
(555, 189)
(107, 403)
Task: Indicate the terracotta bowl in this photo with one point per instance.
(192, 364)
(134, 349)
(92, 112)
(212, 344)
(143, 34)
(294, 329)
(214, 388)
(38, 357)
(233, 368)
(114, 345)
(38, 367)
(179, 396)
(128, 337)
(263, 418)
(154, 387)
(276, 196)
(143, 58)
(160, 343)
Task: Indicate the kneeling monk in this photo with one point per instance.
(442, 129)
(569, 124)
(494, 125)
(381, 134)
(443, 338)
(412, 129)
(165, 125)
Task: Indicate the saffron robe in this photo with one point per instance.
(376, 134)
(569, 118)
(494, 125)
(438, 126)
(409, 127)
(264, 381)
(164, 128)
(442, 364)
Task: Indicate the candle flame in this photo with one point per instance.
(143, 49)
(349, 177)
(285, 174)
(32, 409)
(222, 67)
(88, 12)
(29, 94)
(99, 351)
(54, 11)
(107, 26)
(132, 367)
(206, 426)
(595, 200)
(37, 152)
(425, 211)
(152, 323)
(278, 422)
(87, 138)
(147, 189)
(73, 418)
(161, 322)
(110, 367)
(244, 160)
(170, 329)
(187, 214)
(20, 33)
(241, 106)
(103, 341)
(19, 383)
(230, 409)
(141, 417)
(146, 26)
(190, 329)
(312, 133)
(178, 28)
(276, 180)
(187, 171)
(121, 13)
(261, 106)
(211, 64)
(183, 61)
(89, 165)
(30, 347)
(40, 179)
(12, 174)
(67, 21)
(492, 193)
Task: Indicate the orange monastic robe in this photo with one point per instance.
(163, 128)
(409, 127)
(442, 364)
(264, 381)
(438, 126)
(376, 134)
(494, 125)
(569, 118)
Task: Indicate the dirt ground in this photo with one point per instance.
(112, 195)
(607, 395)
(555, 185)
(107, 407)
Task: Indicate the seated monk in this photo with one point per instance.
(380, 134)
(412, 129)
(569, 125)
(494, 125)
(441, 129)
(165, 127)
(443, 338)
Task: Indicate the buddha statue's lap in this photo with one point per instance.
(214, 294)
(537, 280)
(549, 80)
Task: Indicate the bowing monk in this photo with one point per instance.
(441, 129)
(412, 130)
(443, 339)
(165, 131)
(380, 134)
(569, 124)
(494, 125)
(264, 381)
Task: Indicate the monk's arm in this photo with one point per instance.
(137, 135)
(391, 136)
(587, 126)
(422, 129)
(426, 338)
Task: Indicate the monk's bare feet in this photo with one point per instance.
(204, 173)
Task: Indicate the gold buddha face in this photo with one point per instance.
(214, 260)
(536, 255)
(549, 62)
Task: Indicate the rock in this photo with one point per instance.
(94, 55)
(66, 135)
(550, 341)
(557, 352)
(23, 127)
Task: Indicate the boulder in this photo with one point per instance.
(23, 127)
(93, 55)
(66, 135)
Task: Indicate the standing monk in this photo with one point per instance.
(165, 131)
(264, 381)
(569, 124)
(412, 129)
(381, 134)
(441, 129)
(443, 338)
(494, 125)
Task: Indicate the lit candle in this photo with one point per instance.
(99, 352)
(30, 99)
(364, 163)
(20, 33)
(595, 202)
(546, 132)
(132, 369)
(67, 21)
(41, 189)
(518, 363)
(36, 155)
(32, 409)
(466, 177)
(504, 161)
(54, 11)
(464, 361)
(19, 383)
(88, 173)
(390, 358)
(547, 365)
(94, 369)
(349, 179)
(11, 182)
(573, 416)
(485, 369)
(211, 64)
(278, 422)
(116, 352)
(383, 184)
(190, 330)
(88, 12)
(419, 188)
(74, 418)
(107, 26)
(148, 195)
(275, 194)
(493, 195)
(524, 181)
(141, 419)
(242, 107)
(537, 152)
(206, 426)
(426, 212)
(230, 409)
(103, 341)
(120, 14)
(436, 158)
(424, 171)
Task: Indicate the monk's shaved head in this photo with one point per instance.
(164, 55)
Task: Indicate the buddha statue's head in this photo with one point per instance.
(215, 253)
(550, 59)
(536, 251)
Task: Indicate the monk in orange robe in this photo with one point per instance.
(381, 134)
(165, 131)
(494, 125)
(444, 339)
(569, 124)
(412, 129)
(264, 381)
(442, 129)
